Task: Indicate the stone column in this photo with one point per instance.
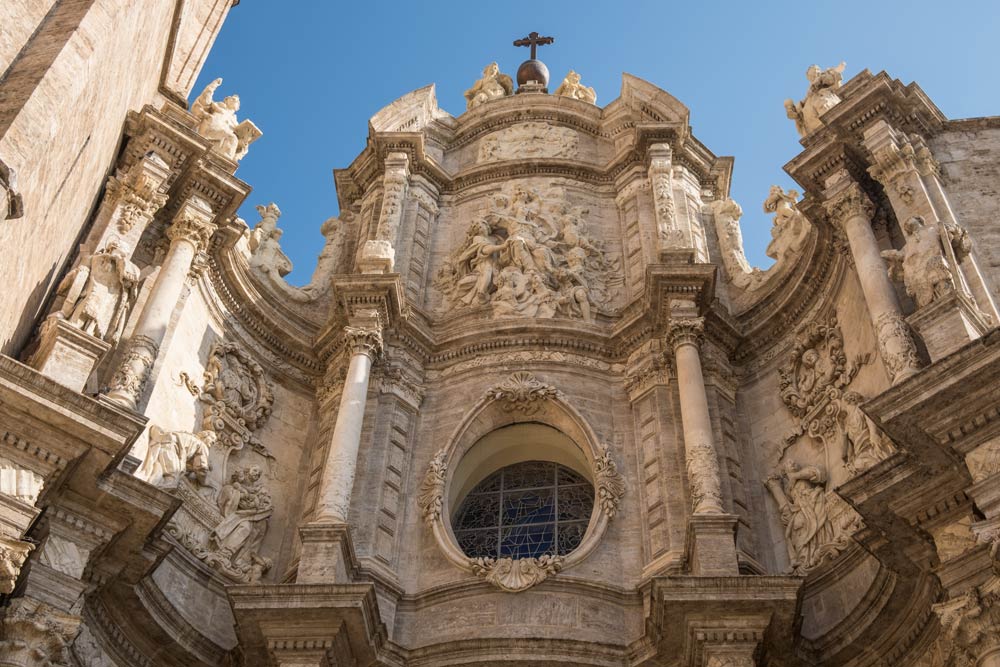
(379, 254)
(365, 345)
(711, 547)
(851, 209)
(189, 234)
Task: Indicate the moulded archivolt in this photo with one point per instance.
(439, 489)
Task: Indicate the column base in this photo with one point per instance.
(66, 354)
(377, 257)
(327, 554)
(711, 545)
(947, 324)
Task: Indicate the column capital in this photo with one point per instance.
(364, 339)
(844, 199)
(970, 623)
(193, 223)
(138, 191)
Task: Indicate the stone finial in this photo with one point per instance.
(820, 98)
(492, 85)
(571, 87)
(217, 122)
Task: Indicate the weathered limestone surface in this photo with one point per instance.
(202, 465)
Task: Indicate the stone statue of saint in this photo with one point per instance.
(801, 496)
(571, 87)
(864, 444)
(99, 291)
(492, 85)
(217, 122)
(790, 227)
(921, 265)
(246, 506)
(172, 454)
(820, 98)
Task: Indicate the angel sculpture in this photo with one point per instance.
(820, 98)
(920, 265)
(494, 84)
(99, 291)
(571, 87)
(217, 123)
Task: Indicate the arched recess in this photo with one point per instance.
(475, 450)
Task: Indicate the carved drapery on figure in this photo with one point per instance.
(921, 265)
(523, 392)
(571, 87)
(530, 256)
(818, 526)
(790, 228)
(98, 294)
(820, 98)
(228, 536)
(173, 455)
(266, 255)
(491, 86)
(238, 396)
(217, 122)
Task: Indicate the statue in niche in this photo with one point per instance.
(173, 454)
(790, 228)
(98, 293)
(800, 493)
(571, 87)
(246, 508)
(921, 265)
(820, 98)
(530, 255)
(492, 85)
(864, 444)
(217, 122)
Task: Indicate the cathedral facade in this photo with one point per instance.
(534, 407)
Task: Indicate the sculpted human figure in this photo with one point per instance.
(172, 454)
(801, 496)
(492, 85)
(480, 260)
(864, 444)
(217, 122)
(99, 291)
(920, 264)
(571, 87)
(246, 506)
(820, 98)
(790, 226)
(727, 215)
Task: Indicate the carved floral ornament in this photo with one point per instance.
(522, 392)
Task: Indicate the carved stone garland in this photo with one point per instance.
(524, 393)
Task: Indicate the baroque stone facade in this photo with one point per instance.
(534, 407)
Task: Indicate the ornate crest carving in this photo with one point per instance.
(432, 489)
(530, 255)
(516, 575)
(609, 482)
(238, 396)
(523, 392)
(12, 556)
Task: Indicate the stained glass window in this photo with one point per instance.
(525, 510)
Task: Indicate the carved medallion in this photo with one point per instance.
(238, 396)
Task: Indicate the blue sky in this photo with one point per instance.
(310, 73)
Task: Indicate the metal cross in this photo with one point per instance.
(533, 40)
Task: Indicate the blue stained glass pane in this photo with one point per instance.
(526, 507)
(480, 510)
(527, 541)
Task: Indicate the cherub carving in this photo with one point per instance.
(217, 123)
(99, 291)
(571, 87)
(492, 85)
(920, 265)
(820, 98)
